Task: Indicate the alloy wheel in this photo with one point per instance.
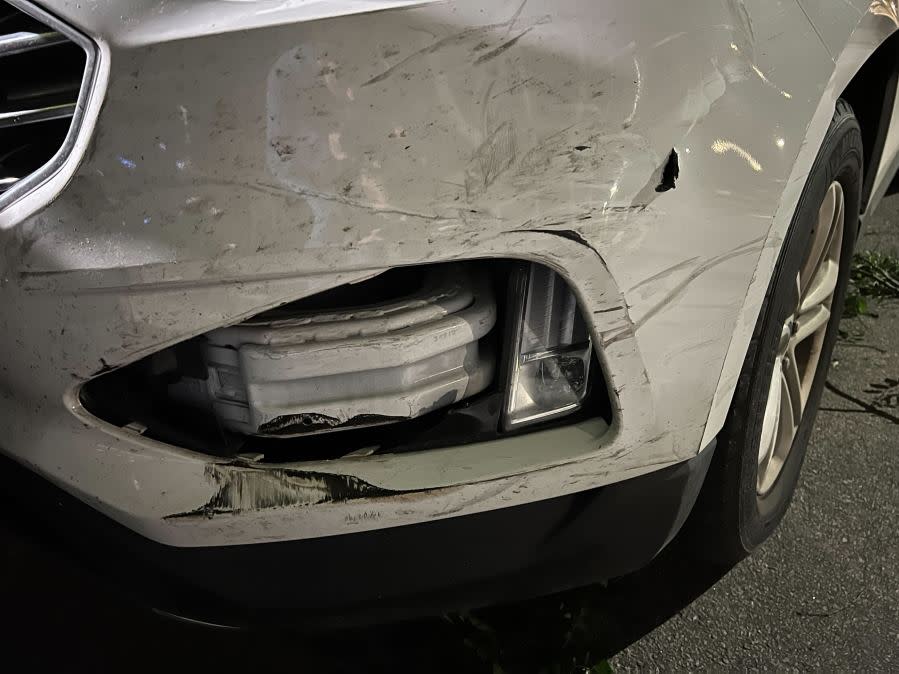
(802, 337)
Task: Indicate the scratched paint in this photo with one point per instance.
(274, 158)
(241, 487)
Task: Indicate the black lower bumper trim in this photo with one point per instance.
(388, 574)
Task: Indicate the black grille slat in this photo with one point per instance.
(19, 43)
(20, 118)
(13, 20)
(41, 73)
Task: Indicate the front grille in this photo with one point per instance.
(43, 67)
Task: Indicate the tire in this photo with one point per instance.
(735, 515)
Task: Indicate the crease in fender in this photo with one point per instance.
(569, 234)
(612, 335)
(711, 263)
(665, 272)
(815, 28)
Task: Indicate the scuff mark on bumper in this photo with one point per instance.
(242, 487)
(569, 234)
(308, 422)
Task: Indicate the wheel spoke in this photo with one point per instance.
(792, 390)
(835, 242)
(771, 421)
(789, 416)
(821, 290)
(786, 336)
(809, 323)
(829, 223)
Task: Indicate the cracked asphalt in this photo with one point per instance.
(823, 592)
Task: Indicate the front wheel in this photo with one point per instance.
(764, 440)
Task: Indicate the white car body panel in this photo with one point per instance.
(218, 176)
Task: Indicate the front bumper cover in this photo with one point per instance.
(239, 164)
(389, 574)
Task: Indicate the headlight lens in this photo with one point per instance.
(550, 367)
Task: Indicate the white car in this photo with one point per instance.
(340, 310)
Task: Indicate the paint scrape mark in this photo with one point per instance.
(569, 234)
(680, 288)
(185, 120)
(508, 44)
(515, 16)
(638, 91)
(666, 40)
(493, 157)
(514, 87)
(457, 39)
(764, 78)
(334, 145)
(242, 487)
(760, 74)
(308, 422)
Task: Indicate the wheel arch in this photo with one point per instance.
(872, 95)
(864, 60)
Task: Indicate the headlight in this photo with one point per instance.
(551, 353)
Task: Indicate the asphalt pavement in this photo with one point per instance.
(823, 592)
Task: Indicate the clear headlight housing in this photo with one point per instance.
(550, 368)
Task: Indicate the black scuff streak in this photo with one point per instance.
(308, 422)
(456, 38)
(513, 87)
(515, 16)
(670, 173)
(616, 335)
(242, 487)
(508, 44)
(581, 148)
(569, 234)
(103, 370)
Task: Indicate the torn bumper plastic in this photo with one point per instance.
(457, 563)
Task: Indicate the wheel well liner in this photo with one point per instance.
(872, 94)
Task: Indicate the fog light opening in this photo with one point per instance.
(549, 372)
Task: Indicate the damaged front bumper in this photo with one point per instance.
(431, 568)
(232, 161)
